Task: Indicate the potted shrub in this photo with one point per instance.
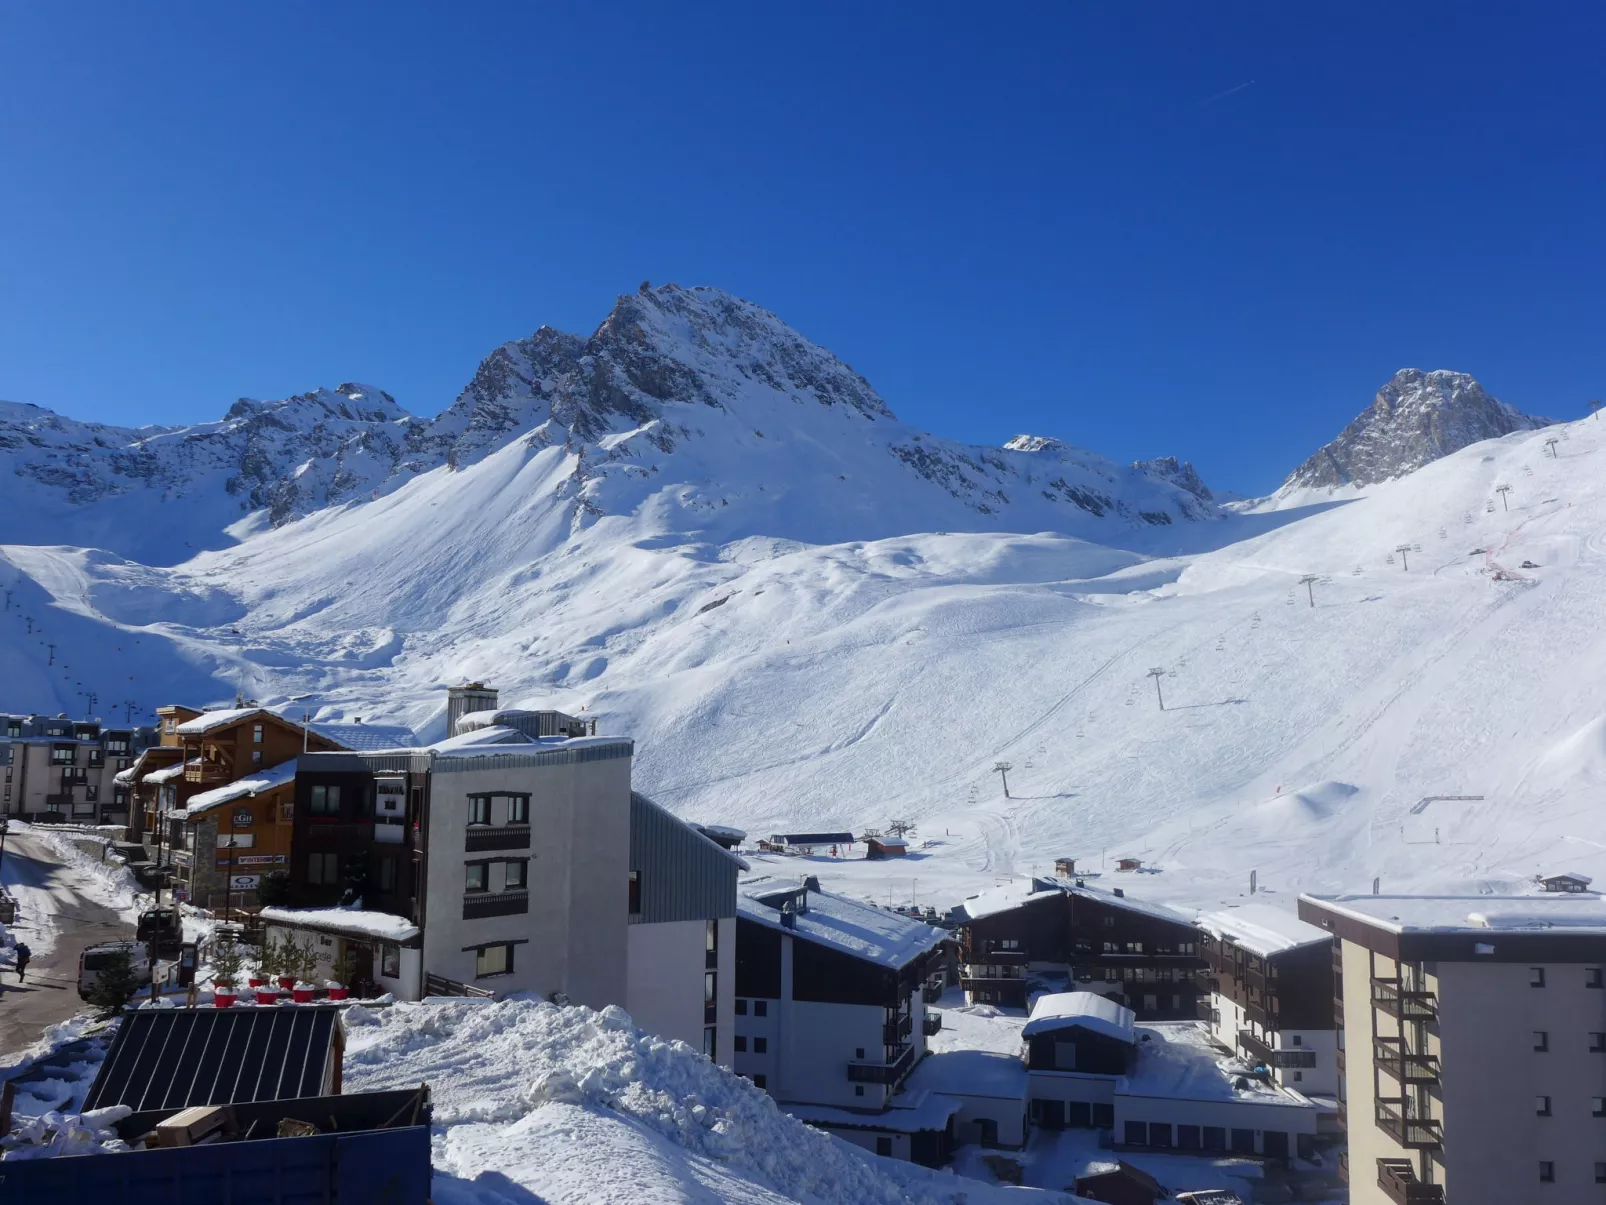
(288, 963)
(262, 960)
(225, 972)
(303, 962)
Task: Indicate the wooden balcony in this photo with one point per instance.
(1413, 1133)
(889, 1072)
(1397, 1179)
(1272, 1057)
(210, 772)
(482, 837)
(931, 1024)
(894, 1032)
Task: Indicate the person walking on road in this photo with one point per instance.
(23, 955)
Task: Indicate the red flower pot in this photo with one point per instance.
(223, 999)
(338, 993)
(301, 995)
(267, 995)
(287, 982)
(255, 982)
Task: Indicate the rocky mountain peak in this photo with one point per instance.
(1179, 473)
(1416, 418)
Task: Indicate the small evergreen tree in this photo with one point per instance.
(274, 889)
(116, 985)
(226, 961)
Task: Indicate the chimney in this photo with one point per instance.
(469, 697)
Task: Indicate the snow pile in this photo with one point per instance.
(50, 1134)
(553, 1098)
(384, 925)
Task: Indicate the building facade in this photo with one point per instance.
(63, 771)
(1272, 993)
(1473, 1045)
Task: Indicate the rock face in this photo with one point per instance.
(689, 388)
(1416, 418)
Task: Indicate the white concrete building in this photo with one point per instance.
(65, 771)
(1473, 1039)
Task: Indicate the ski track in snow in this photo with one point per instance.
(845, 684)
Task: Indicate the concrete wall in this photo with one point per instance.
(665, 990)
(1368, 1142)
(408, 985)
(867, 1139)
(574, 933)
(1069, 1085)
(1009, 1113)
(1228, 1114)
(1494, 1138)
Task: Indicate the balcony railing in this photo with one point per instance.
(505, 836)
(1258, 1048)
(931, 993)
(999, 957)
(1407, 1067)
(931, 1024)
(1397, 1179)
(1205, 1011)
(1404, 1004)
(208, 771)
(986, 973)
(495, 903)
(883, 1073)
(894, 1032)
(1413, 1133)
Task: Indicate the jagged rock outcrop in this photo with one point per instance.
(1415, 419)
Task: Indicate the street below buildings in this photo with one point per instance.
(56, 919)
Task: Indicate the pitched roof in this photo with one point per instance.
(1058, 1010)
(176, 1058)
(1262, 929)
(846, 925)
(208, 721)
(814, 838)
(361, 737)
(252, 784)
(169, 773)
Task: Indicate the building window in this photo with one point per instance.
(741, 1008)
(761, 1008)
(1109, 922)
(883, 1145)
(858, 1089)
(1541, 1040)
(1547, 1171)
(474, 876)
(62, 755)
(323, 869)
(1600, 1173)
(1597, 1043)
(256, 757)
(741, 1044)
(92, 793)
(1137, 1133)
(256, 734)
(1541, 1106)
(1299, 1040)
(390, 960)
(1597, 1106)
(859, 1053)
(761, 1045)
(516, 875)
(324, 801)
(1536, 976)
(385, 874)
(711, 945)
(518, 809)
(710, 995)
(1592, 977)
(493, 960)
(479, 809)
(635, 893)
(759, 1081)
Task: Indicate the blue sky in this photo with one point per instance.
(1210, 229)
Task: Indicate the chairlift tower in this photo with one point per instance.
(1309, 582)
(1405, 560)
(1002, 769)
(1503, 490)
(1157, 673)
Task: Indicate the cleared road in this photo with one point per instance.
(56, 922)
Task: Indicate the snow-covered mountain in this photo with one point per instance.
(1415, 419)
(705, 401)
(714, 536)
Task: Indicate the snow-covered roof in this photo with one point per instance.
(1002, 898)
(354, 921)
(969, 1073)
(848, 925)
(169, 773)
(1175, 1059)
(536, 744)
(1471, 914)
(1262, 929)
(1057, 1010)
(722, 830)
(1571, 875)
(251, 784)
(366, 738)
(909, 1113)
(208, 721)
(890, 842)
(482, 736)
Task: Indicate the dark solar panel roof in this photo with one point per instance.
(817, 838)
(175, 1058)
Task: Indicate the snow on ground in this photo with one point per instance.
(780, 685)
(103, 877)
(578, 1106)
(45, 906)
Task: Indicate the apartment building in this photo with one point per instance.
(1472, 1045)
(1139, 954)
(60, 770)
(830, 1013)
(1271, 993)
(497, 861)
